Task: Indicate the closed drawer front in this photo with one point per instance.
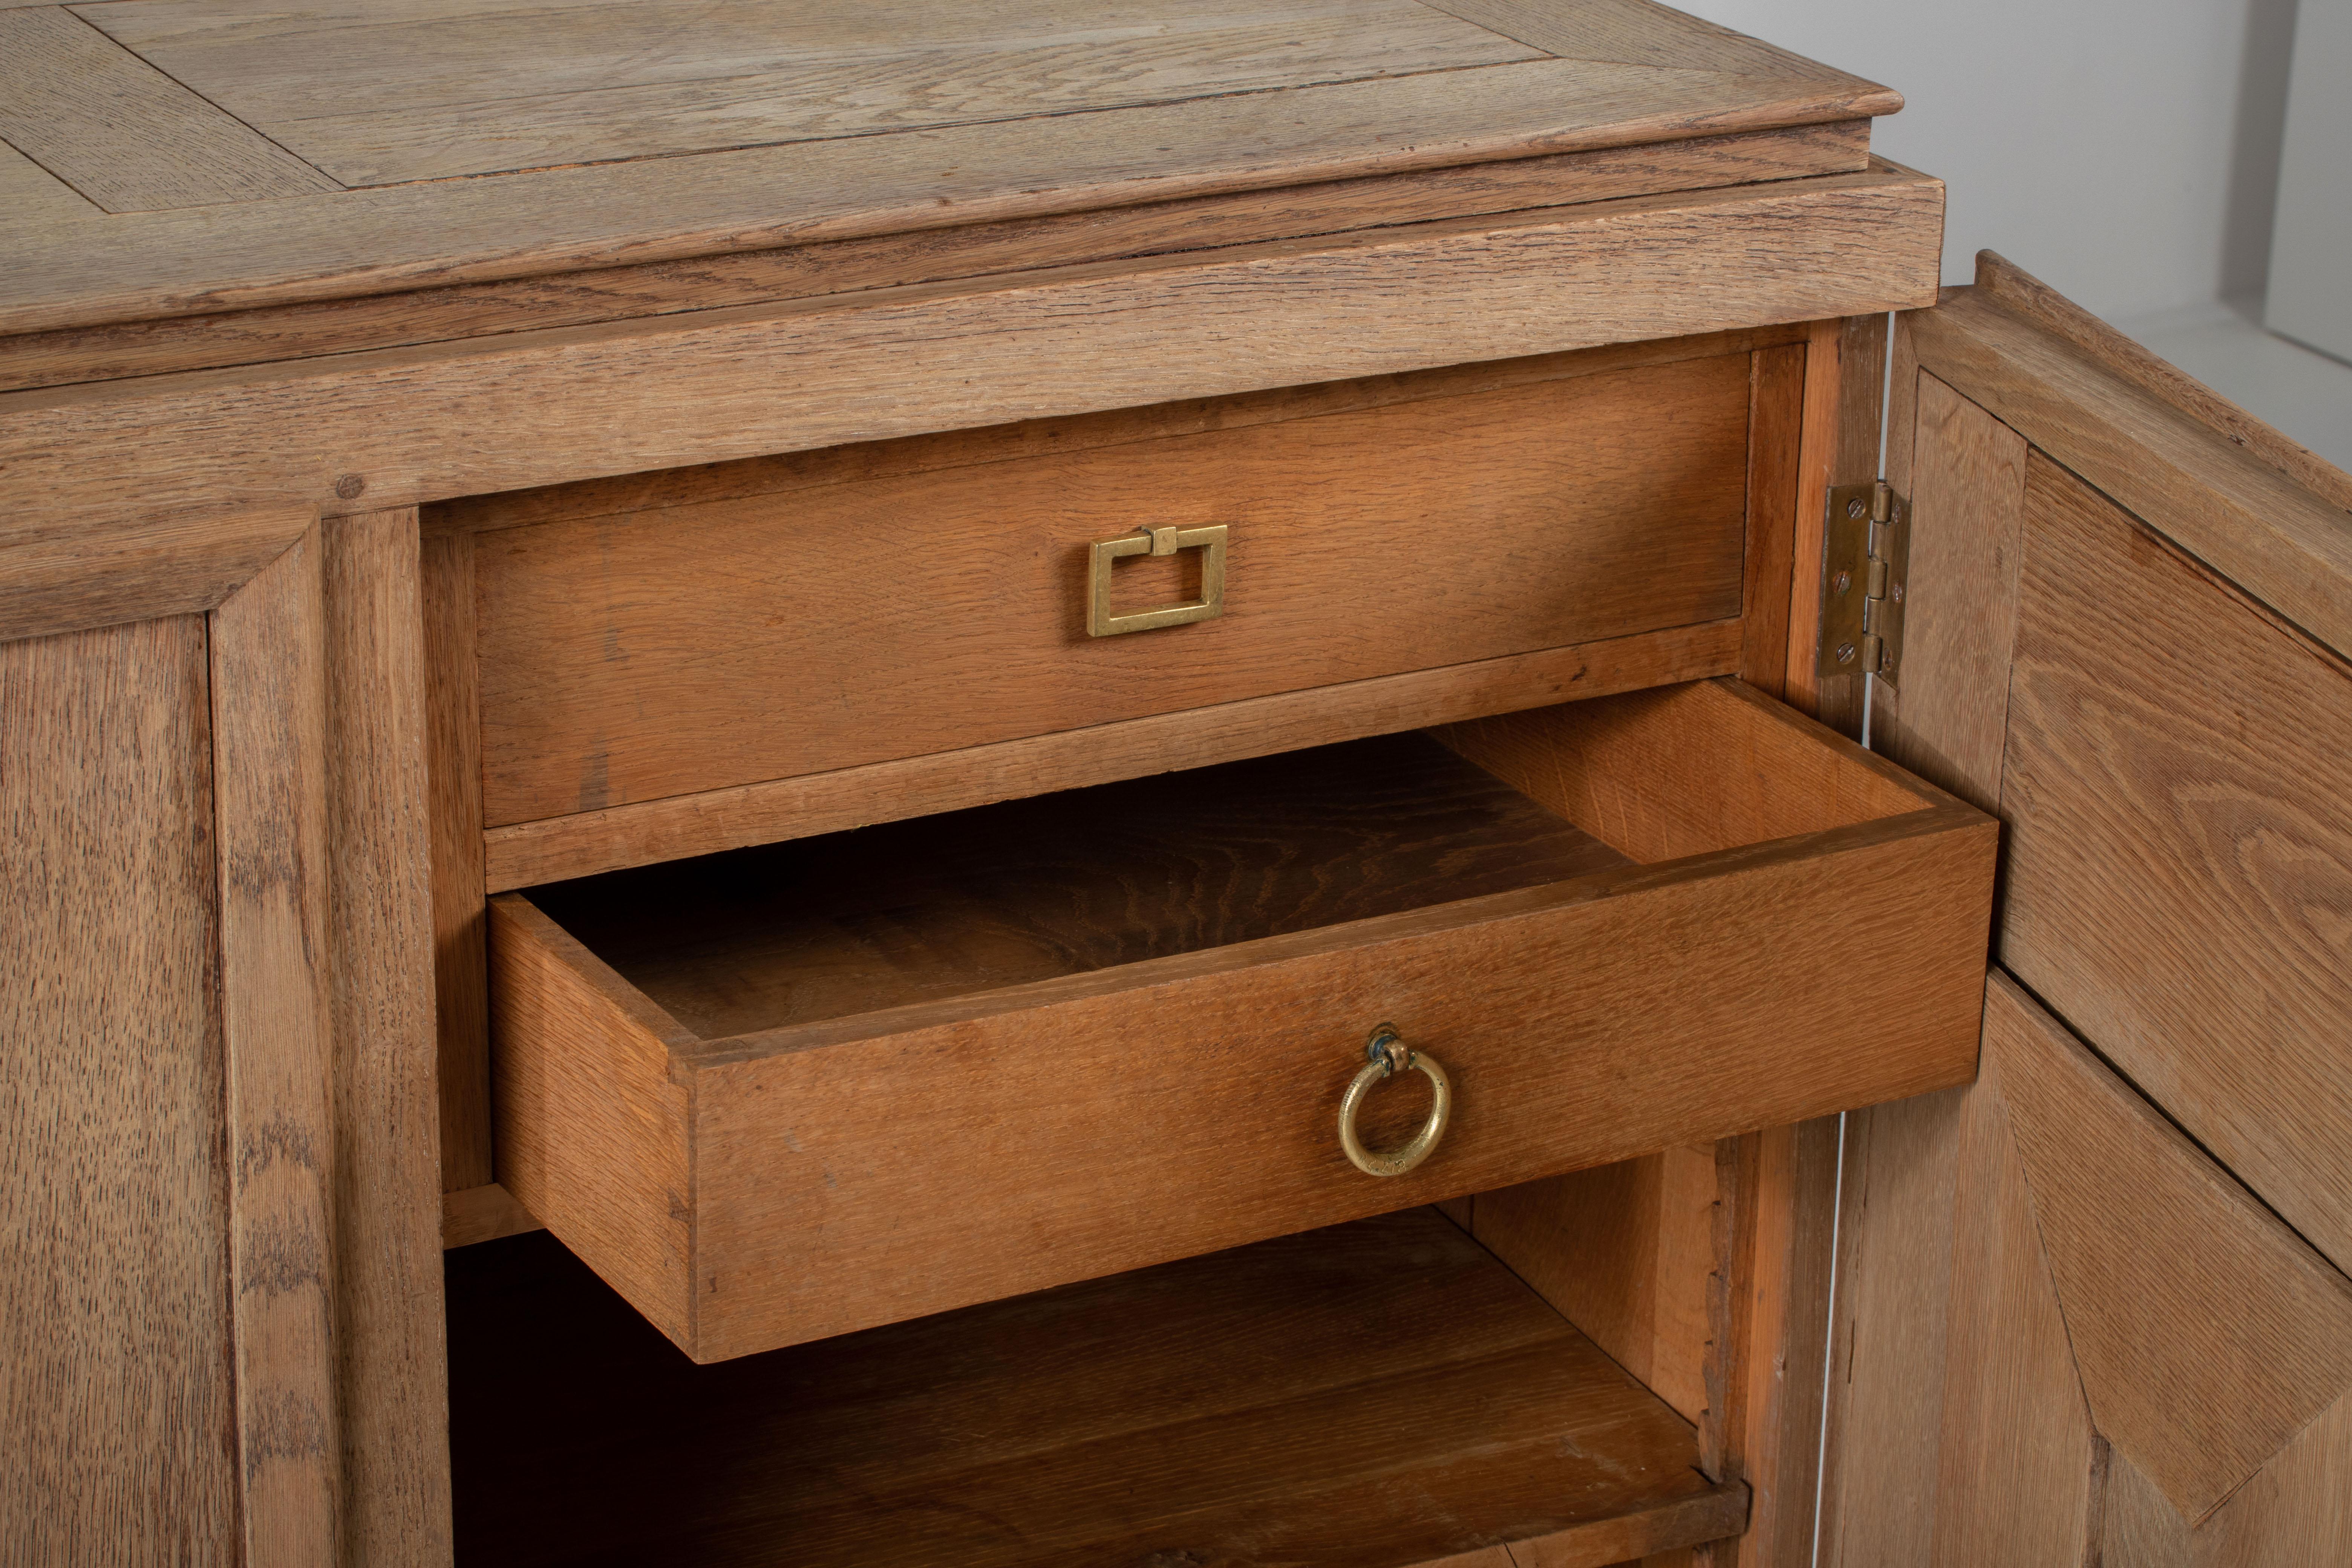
(855, 617)
(787, 1093)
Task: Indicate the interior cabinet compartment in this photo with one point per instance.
(787, 1093)
(1373, 1394)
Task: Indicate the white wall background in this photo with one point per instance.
(2125, 151)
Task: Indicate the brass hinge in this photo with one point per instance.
(1865, 559)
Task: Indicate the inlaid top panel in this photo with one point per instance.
(176, 157)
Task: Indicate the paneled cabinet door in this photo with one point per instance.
(2095, 1306)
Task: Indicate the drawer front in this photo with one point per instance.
(768, 1189)
(661, 652)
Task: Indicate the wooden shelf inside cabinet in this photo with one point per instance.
(1369, 1396)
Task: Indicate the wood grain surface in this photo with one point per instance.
(636, 656)
(2018, 292)
(452, 719)
(1623, 1251)
(557, 849)
(1597, 969)
(126, 135)
(64, 273)
(204, 448)
(269, 681)
(2249, 521)
(2207, 1333)
(425, 92)
(115, 1291)
(391, 1370)
(1948, 721)
(271, 333)
(2176, 786)
(1775, 440)
(2294, 1509)
(29, 188)
(2015, 1482)
(1238, 1408)
(1066, 884)
(1687, 770)
(597, 1135)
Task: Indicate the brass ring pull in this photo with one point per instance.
(1386, 1055)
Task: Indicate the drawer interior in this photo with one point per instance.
(970, 901)
(1367, 1395)
(936, 909)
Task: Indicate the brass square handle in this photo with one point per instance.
(1210, 541)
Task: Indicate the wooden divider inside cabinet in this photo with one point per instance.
(791, 1092)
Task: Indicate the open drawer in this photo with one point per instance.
(788, 1093)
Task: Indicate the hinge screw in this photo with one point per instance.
(1842, 581)
(1845, 653)
(1855, 508)
(1898, 593)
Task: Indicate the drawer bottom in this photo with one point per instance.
(1369, 1396)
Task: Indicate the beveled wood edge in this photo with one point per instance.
(310, 257)
(2016, 290)
(1930, 821)
(1669, 1527)
(2244, 519)
(211, 445)
(486, 1213)
(558, 848)
(1058, 433)
(295, 331)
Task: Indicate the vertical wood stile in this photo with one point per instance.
(391, 1362)
(270, 715)
(453, 723)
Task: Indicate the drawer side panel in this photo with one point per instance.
(590, 1133)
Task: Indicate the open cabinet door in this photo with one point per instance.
(2095, 1308)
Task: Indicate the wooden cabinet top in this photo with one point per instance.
(165, 158)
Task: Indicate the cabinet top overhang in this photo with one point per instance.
(168, 158)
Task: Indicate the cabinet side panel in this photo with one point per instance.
(115, 1388)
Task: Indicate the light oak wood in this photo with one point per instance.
(115, 1292)
(272, 333)
(2171, 851)
(1949, 719)
(2207, 1333)
(1854, 459)
(453, 722)
(27, 188)
(270, 705)
(2015, 1476)
(2136, 1524)
(1687, 770)
(622, 398)
(1632, 32)
(1817, 454)
(346, 244)
(482, 1214)
(594, 1135)
(127, 136)
(1237, 1408)
(425, 93)
(1054, 435)
(641, 656)
(2294, 1509)
(1776, 420)
(553, 849)
(72, 581)
(391, 1368)
(1624, 1252)
(1590, 970)
(2250, 522)
(2020, 292)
